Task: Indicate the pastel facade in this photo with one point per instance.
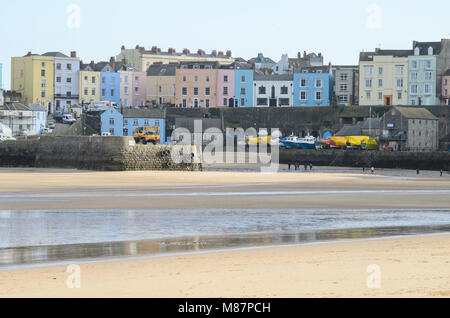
(383, 77)
(39, 118)
(243, 86)
(161, 84)
(196, 85)
(445, 100)
(272, 90)
(89, 85)
(225, 88)
(110, 87)
(422, 86)
(346, 84)
(33, 77)
(313, 86)
(142, 59)
(66, 80)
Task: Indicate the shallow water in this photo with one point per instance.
(33, 237)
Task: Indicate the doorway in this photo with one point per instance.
(388, 100)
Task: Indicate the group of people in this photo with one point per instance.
(297, 166)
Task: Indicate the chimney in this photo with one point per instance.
(299, 55)
(304, 54)
(73, 54)
(112, 62)
(229, 53)
(186, 52)
(92, 64)
(320, 54)
(172, 51)
(29, 54)
(141, 49)
(154, 49)
(220, 53)
(200, 52)
(122, 48)
(158, 50)
(137, 47)
(214, 53)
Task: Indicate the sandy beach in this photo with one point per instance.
(410, 267)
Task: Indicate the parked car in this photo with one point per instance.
(106, 134)
(68, 119)
(47, 131)
(51, 125)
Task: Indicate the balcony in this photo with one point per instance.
(65, 96)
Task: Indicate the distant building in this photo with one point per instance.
(225, 87)
(39, 118)
(313, 86)
(133, 86)
(89, 84)
(243, 85)
(311, 59)
(196, 85)
(66, 79)
(161, 84)
(410, 129)
(445, 98)
(262, 63)
(19, 118)
(33, 76)
(109, 81)
(5, 131)
(124, 123)
(272, 90)
(422, 86)
(141, 59)
(383, 77)
(346, 86)
(283, 66)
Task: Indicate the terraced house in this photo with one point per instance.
(196, 85)
(133, 85)
(161, 84)
(383, 77)
(313, 86)
(33, 76)
(89, 84)
(272, 90)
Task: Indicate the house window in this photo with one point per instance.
(195, 91)
(42, 72)
(184, 103)
(126, 79)
(344, 77)
(184, 78)
(344, 87)
(103, 92)
(86, 91)
(400, 96)
(136, 90)
(43, 94)
(207, 79)
(225, 79)
(196, 78)
(428, 64)
(243, 79)
(93, 79)
(136, 122)
(207, 91)
(261, 102)
(43, 64)
(225, 91)
(111, 121)
(225, 102)
(112, 92)
(113, 80)
(380, 96)
(414, 64)
(93, 92)
(414, 89)
(368, 83)
(125, 90)
(69, 80)
(284, 90)
(380, 83)
(318, 95)
(136, 79)
(207, 103)
(428, 76)
(380, 71)
(427, 89)
(303, 82)
(413, 76)
(284, 102)
(184, 91)
(400, 83)
(43, 83)
(368, 70)
(103, 80)
(146, 122)
(157, 123)
(262, 90)
(399, 69)
(242, 90)
(111, 131)
(86, 80)
(303, 95)
(69, 67)
(242, 102)
(368, 96)
(58, 66)
(343, 98)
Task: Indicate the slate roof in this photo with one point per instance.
(423, 46)
(368, 56)
(416, 113)
(374, 123)
(55, 54)
(37, 107)
(274, 77)
(143, 113)
(162, 70)
(14, 107)
(313, 69)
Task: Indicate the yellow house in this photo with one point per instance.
(33, 77)
(89, 82)
(141, 59)
(383, 78)
(161, 84)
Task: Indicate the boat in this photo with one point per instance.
(308, 143)
(290, 142)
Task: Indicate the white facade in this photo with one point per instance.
(20, 121)
(66, 82)
(5, 131)
(273, 93)
(282, 67)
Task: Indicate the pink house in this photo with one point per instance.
(446, 88)
(225, 87)
(139, 89)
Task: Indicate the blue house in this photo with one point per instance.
(313, 86)
(125, 122)
(243, 87)
(110, 87)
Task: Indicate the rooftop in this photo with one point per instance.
(143, 113)
(162, 70)
(416, 113)
(274, 77)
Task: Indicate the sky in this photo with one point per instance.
(97, 29)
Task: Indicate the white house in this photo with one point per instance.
(283, 66)
(19, 118)
(273, 90)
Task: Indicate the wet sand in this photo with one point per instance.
(56, 189)
(409, 267)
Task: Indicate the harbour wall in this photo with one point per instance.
(351, 158)
(91, 153)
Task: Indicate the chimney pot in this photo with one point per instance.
(92, 64)
(29, 54)
(123, 47)
(73, 54)
(220, 53)
(229, 53)
(214, 53)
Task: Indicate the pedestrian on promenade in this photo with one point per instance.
(289, 167)
(311, 166)
(373, 170)
(442, 172)
(306, 167)
(364, 169)
(418, 171)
